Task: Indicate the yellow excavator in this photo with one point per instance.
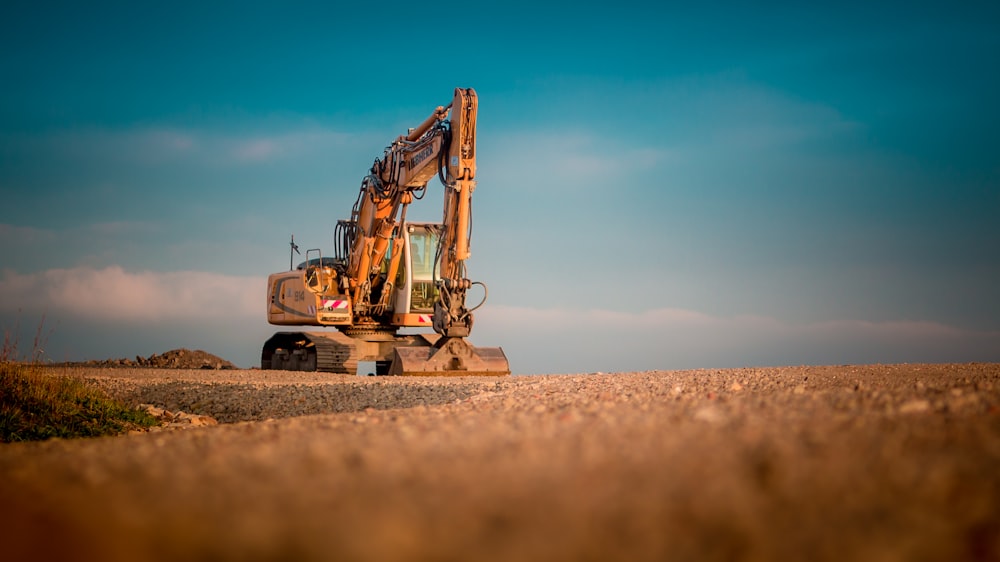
(387, 274)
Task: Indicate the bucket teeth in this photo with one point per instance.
(450, 357)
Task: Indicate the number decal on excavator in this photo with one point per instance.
(296, 296)
(284, 295)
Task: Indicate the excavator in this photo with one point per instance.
(387, 275)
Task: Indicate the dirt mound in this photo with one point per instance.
(173, 359)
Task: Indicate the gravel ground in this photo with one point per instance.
(882, 462)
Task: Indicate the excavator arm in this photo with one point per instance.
(438, 146)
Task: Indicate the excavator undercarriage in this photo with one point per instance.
(410, 354)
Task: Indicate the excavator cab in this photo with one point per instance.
(416, 289)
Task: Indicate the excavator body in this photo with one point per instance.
(309, 295)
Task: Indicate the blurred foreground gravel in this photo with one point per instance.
(882, 462)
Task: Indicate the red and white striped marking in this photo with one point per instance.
(331, 304)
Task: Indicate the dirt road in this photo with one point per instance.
(801, 463)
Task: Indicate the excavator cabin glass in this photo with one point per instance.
(422, 244)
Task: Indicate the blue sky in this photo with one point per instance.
(707, 186)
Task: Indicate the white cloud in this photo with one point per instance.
(12, 235)
(68, 245)
(256, 149)
(290, 144)
(143, 145)
(112, 293)
(173, 140)
(585, 340)
(277, 146)
(564, 160)
(754, 116)
(117, 228)
(152, 146)
(169, 306)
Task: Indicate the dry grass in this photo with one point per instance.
(36, 406)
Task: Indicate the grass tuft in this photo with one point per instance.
(35, 406)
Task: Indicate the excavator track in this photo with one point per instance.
(335, 353)
(408, 355)
(330, 352)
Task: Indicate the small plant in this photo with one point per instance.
(9, 348)
(36, 406)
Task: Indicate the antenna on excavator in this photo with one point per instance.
(291, 255)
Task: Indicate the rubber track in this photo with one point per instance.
(335, 352)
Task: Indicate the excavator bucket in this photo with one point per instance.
(449, 357)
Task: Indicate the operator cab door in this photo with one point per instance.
(415, 287)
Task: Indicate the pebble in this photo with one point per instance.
(915, 407)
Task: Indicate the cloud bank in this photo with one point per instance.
(112, 293)
(104, 312)
(587, 340)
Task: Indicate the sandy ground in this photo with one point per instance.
(898, 462)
